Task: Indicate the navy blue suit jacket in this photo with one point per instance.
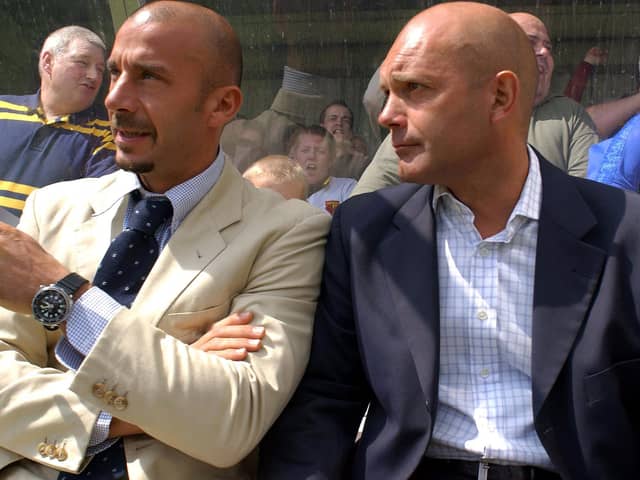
(376, 339)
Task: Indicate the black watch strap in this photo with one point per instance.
(71, 283)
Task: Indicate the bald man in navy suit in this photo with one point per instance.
(487, 309)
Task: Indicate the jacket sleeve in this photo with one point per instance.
(213, 409)
(315, 436)
(36, 405)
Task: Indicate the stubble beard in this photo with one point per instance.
(131, 166)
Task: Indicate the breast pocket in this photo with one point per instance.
(621, 380)
(613, 396)
(189, 326)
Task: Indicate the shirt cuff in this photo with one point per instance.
(101, 447)
(88, 318)
(67, 355)
(100, 432)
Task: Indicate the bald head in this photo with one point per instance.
(174, 71)
(477, 39)
(459, 66)
(539, 39)
(279, 173)
(220, 52)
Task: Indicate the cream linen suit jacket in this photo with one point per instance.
(240, 248)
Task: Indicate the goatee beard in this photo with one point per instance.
(135, 167)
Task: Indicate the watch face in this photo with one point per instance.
(51, 305)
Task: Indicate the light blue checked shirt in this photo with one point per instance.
(486, 306)
(93, 311)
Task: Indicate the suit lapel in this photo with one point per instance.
(566, 277)
(194, 244)
(107, 216)
(410, 266)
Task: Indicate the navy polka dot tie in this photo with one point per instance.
(121, 273)
(131, 255)
(109, 464)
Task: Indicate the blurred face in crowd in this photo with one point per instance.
(74, 75)
(541, 43)
(360, 146)
(338, 122)
(313, 154)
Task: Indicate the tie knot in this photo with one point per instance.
(149, 213)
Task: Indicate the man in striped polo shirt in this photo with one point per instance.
(56, 133)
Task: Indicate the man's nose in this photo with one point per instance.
(542, 50)
(392, 112)
(94, 72)
(121, 95)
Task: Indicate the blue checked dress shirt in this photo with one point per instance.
(486, 307)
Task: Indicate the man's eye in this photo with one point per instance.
(385, 98)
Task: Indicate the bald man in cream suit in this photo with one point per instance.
(181, 411)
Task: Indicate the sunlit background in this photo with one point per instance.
(340, 40)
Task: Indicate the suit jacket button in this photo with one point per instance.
(61, 454)
(42, 449)
(120, 403)
(109, 397)
(50, 451)
(99, 389)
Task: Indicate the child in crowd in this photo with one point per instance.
(314, 149)
(278, 173)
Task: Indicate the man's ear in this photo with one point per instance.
(222, 104)
(47, 62)
(505, 94)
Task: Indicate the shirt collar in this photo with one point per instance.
(528, 204)
(183, 197)
(92, 112)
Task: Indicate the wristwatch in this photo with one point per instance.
(51, 304)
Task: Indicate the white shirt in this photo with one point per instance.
(331, 195)
(486, 307)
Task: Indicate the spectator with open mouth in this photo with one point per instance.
(314, 149)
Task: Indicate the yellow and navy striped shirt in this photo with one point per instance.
(35, 152)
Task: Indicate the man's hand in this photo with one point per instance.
(120, 428)
(596, 56)
(232, 337)
(24, 267)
